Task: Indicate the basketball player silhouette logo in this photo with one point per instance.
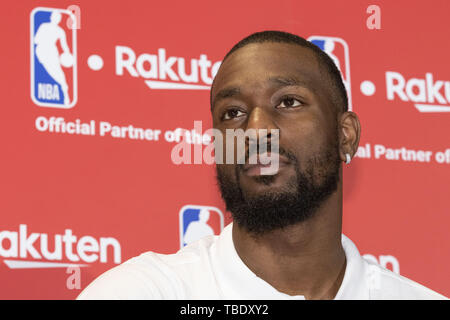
(338, 50)
(51, 69)
(197, 222)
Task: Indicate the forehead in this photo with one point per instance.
(255, 63)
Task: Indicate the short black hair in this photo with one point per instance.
(338, 88)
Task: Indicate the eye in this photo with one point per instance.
(289, 102)
(231, 114)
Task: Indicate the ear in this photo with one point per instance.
(349, 133)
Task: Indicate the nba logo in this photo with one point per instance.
(53, 62)
(199, 221)
(337, 50)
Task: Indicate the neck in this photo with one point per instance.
(303, 259)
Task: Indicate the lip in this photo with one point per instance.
(257, 169)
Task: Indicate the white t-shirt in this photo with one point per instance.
(211, 269)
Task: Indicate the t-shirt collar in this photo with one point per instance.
(237, 281)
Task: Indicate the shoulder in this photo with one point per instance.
(389, 285)
(154, 276)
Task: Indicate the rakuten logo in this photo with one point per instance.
(428, 95)
(166, 72)
(23, 245)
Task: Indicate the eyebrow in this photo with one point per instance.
(226, 93)
(279, 81)
(288, 81)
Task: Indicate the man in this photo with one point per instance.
(285, 241)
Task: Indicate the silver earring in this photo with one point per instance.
(347, 158)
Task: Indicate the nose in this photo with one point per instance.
(262, 123)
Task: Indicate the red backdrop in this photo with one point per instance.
(103, 199)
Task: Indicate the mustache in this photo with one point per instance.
(249, 152)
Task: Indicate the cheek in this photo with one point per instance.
(227, 174)
(304, 138)
(232, 149)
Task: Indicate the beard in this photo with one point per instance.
(295, 202)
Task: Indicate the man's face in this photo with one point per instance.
(277, 86)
